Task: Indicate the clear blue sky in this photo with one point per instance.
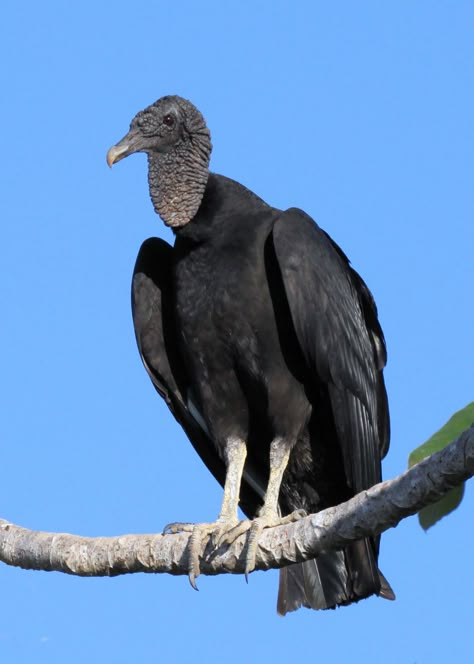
(362, 114)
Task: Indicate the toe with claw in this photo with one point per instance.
(200, 532)
(254, 528)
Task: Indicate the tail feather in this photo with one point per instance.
(362, 568)
(336, 578)
(291, 590)
(315, 584)
(386, 590)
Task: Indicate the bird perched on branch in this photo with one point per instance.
(265, 345)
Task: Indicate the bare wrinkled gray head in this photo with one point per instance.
(174, 135)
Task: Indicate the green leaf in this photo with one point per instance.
(453, 428)
(431, 514)
(458, 423)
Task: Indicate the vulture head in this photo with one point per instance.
(173, 134)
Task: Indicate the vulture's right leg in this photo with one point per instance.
(235, 453)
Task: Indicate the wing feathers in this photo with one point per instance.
(336, 325)
(153, 319)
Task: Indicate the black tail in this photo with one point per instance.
(332, 579)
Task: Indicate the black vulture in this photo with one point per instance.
(266, 346)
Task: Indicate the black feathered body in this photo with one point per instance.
(245, 366)
(274, 336)
(226, 326)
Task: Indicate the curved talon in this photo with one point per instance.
(254, 533)
(195, 543)
(177, 527)
(255, 529)
(199, 533)
(193, 557)
(192, 581)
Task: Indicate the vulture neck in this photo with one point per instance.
(225, 202)
(177, 179)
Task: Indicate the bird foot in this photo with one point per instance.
(254, 528)
(199, 533)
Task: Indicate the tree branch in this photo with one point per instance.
(369, 513)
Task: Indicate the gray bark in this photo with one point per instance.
(369, 513)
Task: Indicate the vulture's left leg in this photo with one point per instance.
(269, 514)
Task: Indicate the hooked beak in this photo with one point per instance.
(129, 144)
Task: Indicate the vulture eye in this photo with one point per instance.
(168, 120)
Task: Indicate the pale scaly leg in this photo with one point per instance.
(269, 514)
(236, 452)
